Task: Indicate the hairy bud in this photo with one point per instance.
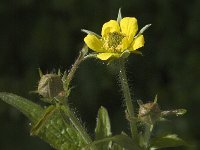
(149, 113)
(50, 86)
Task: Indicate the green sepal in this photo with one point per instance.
(59, 72)
(84, 50)
(103, 128)
(180, 112)
(125, 54)
(137, 52)
(170, 140)
(143, 29)
(66, 84)
(40, 72)
(90, 32)
(176, 112)
(119, 16)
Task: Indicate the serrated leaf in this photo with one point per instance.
(122, 140)
(54, 129)
(103, 128)
(171, 140)
(42, 119)
(60, 133)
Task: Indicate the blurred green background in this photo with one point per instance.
(46, 34)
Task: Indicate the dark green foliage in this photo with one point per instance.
(60, 134)
(23, 105)
(103, 128)
(54, 128)
(121, 141)
(170, 140)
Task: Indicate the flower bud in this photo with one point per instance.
(50, 86)
(149, 112)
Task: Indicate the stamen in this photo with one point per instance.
(113, 41)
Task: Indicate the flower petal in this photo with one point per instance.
(106, 56)
(129, 27)
(137, 43)
(94, 43)
(124, 44)
(110, 26)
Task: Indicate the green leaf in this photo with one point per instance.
(122, 140)
(42, 119)
(116, 147)
(28, 108)
(177, 112)
(171, 140)
(48, 123)
(103, 128)
(57, 131)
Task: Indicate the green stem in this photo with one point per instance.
(74, 67)
(147, 134)
(77, 124)
(127, 97)
(82, 56)
(65, 106)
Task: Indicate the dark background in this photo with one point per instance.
(46, 34)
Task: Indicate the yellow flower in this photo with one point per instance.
(116, 38)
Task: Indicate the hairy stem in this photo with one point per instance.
(77, 124)
(82, 56)
(147, 134)
(127, 97)
(74, 67)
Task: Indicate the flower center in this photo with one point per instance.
(113, 41)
